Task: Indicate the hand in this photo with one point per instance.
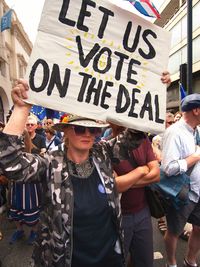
(166, 78)
(19, 93)
(144, 170)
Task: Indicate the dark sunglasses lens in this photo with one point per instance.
(94, 130)
(79, 130)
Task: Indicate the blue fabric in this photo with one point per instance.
(175, 188)
(6, 20)
(25, 202)
(57, 141)
(42, 112)
(145, 7)
(182, 91)
(190, 102)
(38, 111)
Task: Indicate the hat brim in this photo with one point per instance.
(83, 122)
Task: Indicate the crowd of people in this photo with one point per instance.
(83, 186)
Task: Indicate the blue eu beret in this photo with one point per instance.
(190, 102)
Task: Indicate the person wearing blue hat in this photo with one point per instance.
(181, 154)
(190, 102)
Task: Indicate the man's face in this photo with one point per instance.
(31, 126)
(39, 125)
(49, 123)
(196, 113)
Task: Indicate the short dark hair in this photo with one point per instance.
(50, 130)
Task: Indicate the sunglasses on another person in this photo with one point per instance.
(170, 122)
(30, 124)
(79, 130)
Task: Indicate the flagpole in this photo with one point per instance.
(189, 46)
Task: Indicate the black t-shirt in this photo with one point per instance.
(94, 233)
(39, 143)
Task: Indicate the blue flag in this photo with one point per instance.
(6, 20)
(38, 111)
(41, 113)
(182, 91)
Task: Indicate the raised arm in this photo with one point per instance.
(17, 121)
(14, 162)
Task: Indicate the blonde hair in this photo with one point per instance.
(32, 118)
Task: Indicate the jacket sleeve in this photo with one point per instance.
(18, 165)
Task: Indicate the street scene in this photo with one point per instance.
(99, 133)
(20, 254)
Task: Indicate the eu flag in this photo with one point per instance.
(6, 20)
(182, 91)
(38, 111)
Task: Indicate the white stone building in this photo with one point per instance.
(15, 50)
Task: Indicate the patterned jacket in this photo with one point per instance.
(54, 244)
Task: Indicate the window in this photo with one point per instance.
(2, 67)
(1, 110)
(196, 20)
(21, 65)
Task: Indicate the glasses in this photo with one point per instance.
(49, 123)
(79, 130)
(170, 122)
(30, 124)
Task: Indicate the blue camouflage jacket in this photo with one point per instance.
(54, 244)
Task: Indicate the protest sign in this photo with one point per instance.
(95, 59)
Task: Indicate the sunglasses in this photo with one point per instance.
(30, 124)
(79, 130)
(170, 122)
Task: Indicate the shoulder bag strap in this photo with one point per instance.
(51, 143)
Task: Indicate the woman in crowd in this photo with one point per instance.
(51, 139)
(80, 223)
(177, 116)
(25, 202)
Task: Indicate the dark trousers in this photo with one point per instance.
(138, 238)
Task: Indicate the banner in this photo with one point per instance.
(98, 60)
(6, 20)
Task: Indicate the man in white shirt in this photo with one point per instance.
(180, 152)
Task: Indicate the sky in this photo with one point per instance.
(29, 12)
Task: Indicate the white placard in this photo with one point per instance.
(98, 60)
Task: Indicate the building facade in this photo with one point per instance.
(15, 50)
(174, 19)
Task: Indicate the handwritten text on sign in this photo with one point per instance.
(94, 59)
